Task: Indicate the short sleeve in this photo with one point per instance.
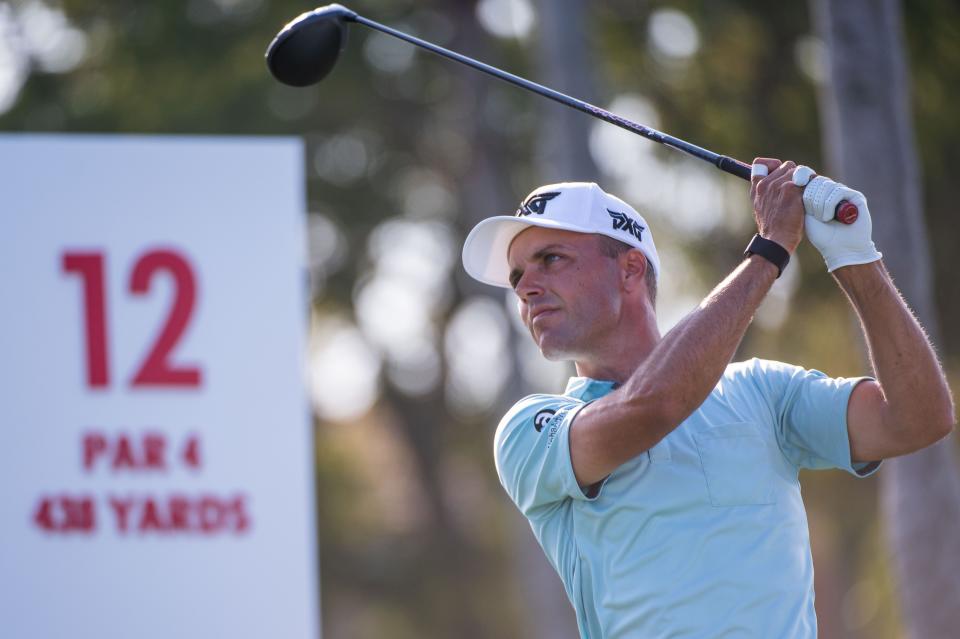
(532, 452)
(811, 415)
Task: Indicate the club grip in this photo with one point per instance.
(846, 212)
(734, 167)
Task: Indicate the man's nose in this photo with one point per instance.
(529, 286)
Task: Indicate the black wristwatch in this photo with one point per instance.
(769, 250)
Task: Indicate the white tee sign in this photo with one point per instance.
(156, 462)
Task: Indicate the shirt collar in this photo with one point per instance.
(587, 389)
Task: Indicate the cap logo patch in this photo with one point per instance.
(623, 222)
(536, 204)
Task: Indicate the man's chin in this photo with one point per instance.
(553, 351)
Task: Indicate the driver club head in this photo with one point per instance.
(307, 48)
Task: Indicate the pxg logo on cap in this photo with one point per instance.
(623, 222)
(536, 204)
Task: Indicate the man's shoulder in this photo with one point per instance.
(758, 379)
(533, 411)
(533, 405)
(757, 368)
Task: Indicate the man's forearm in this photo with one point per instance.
(673, 380)
(687, 363)
(913, 384)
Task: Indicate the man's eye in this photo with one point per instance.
(550, 258)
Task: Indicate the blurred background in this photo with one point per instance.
(411, 363)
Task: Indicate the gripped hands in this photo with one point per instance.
(778, 204)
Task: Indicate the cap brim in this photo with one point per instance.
(485, 249)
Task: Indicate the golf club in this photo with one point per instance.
(307, 48)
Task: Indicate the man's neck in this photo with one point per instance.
(622, 355)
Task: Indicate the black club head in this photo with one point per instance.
(307, 48)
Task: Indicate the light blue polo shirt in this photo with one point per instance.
(703, 535)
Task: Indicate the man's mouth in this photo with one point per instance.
(541, 312)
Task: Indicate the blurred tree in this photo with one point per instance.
(868, 134)
(565, 61)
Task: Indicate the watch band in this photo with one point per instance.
(769, 250)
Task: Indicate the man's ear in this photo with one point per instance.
(633, 266)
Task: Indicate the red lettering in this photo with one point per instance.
(123, 454)
(179, 513)
(191, 452)
(157, 369)
(78, 514)
(66, 514)
(150, 519)
(154, 446)
(211, 514)
(90, 268)
(42, 516)
(121, 511)
(238, 506)
(207, 515)
(94, 444)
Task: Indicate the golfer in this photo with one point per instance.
(662, 484)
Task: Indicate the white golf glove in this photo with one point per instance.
(840, 244)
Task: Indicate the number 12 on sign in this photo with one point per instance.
(156, 369)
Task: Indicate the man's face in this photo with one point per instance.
(568, 292)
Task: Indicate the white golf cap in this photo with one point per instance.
(582, 207)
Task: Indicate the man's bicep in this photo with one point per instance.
(609, 432)
(812, 413)
(591, 453)
(872, 437)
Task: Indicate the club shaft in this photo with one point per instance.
(728, 164)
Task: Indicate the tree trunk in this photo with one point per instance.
(563, 56)
(868, 136)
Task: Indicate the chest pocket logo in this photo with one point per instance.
(737, 466)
